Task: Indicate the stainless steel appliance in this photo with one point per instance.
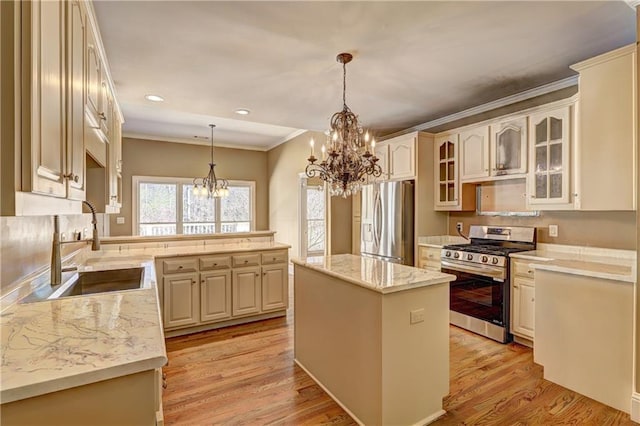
(387, 221)
(479, 297)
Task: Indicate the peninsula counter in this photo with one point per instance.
(374, 335)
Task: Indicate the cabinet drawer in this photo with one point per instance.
(429, 254)
(522, 269)
(274, 257)
(215, 262)
(172, 266)
(246, 260)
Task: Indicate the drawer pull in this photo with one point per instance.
(215, 264)
(274, 258)
(246, 261)
(179, 266)
(529, 271)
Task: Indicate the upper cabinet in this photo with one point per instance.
(474, 153)
(549, 157)
(607, 131)
(450, 194)
(397, 157)
(59, 90)
(509, 146)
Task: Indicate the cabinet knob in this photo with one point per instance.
(264, 273)
(102, 116)
(533, 299)
(215, 264)
(179, 266)
(515, 286)
(529, 271)
(164, 376)
(193, 281)
(274, 259)
(202, 281)
(72, 176)
(246, 261)
(257, 275)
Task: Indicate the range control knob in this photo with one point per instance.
(456, 255)
(447, 253)
(494, 260)
(485, 259)
(469, 256)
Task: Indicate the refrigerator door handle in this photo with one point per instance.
(377, 219)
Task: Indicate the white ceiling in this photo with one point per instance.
(413, 61)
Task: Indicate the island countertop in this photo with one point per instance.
(373, 274)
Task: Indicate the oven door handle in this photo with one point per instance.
(497, 275)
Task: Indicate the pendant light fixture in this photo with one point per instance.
(346, 159)
(210, 186)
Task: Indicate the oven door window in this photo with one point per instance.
(477, 296)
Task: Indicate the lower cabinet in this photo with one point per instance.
(215, 295)
(246, 291)
(198, 291)
(429, 258)
(522, 300)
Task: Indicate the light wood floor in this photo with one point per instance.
(246, 375)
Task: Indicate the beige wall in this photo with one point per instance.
(155, 158)
(285, 163)
(595, 229)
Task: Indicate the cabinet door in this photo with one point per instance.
(446, 170)
(47, 98)
(402, 158)
(475, 153)
(509, 147)
(76, 45)
(215, 296)
(523, 309)
(382, 152)
(94, 80)
(181, 296)
(275, 286)
(549, 162)
(246, 291)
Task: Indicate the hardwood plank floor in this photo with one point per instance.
(246, 375)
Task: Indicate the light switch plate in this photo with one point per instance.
(417, 316)
(120, 220)
(553, 230)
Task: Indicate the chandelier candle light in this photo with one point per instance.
(346, 160)
(210, 186)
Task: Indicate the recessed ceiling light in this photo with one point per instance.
(242, 111)
(154, 98)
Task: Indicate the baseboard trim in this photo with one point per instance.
(429, 419)
(635, 407)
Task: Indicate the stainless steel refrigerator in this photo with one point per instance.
(387, 221)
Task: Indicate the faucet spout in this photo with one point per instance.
(95, 240)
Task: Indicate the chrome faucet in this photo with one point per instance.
(56, 258)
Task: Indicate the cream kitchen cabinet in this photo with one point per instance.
(246, 291)
(608, 131)
(429, 258)
(218, 289)
(449, 195)
(549, 159)
(522, 300)
(397, 157)
(509, 147)
(474, 154)
(53, 35)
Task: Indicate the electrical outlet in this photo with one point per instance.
(417, 316)
(459, 226)
(553, 230)
(120, 220)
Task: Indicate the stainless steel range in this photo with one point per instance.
(479, 297)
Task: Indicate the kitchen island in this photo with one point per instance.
(374, 335)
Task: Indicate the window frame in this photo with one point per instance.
(179, 182)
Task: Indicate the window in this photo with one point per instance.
(167, 206)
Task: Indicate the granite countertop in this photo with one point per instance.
(58, 344)
(62, 343)
(373, 274)
(609, 264)
(164, 250)
(438, 241)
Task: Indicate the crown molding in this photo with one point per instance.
(605, 57)
(143, 136)
(499, 103)
(287, 138)
(633, 4)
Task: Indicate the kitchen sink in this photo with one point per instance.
(93, 282)
(90, 282)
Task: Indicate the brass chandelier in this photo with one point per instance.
(346, 159)
(210, 186)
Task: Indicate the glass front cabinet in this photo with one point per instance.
(446, 171)
(549, 161)
(509, 147)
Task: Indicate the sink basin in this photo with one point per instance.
(93, 282)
